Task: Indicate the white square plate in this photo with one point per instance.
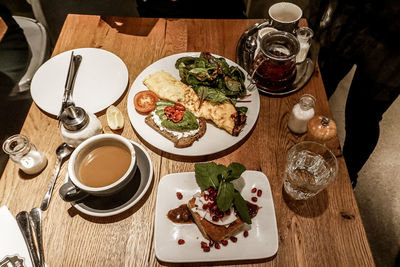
(262, 241)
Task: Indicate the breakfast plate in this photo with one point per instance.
(101, 79)
(127, 197)
(214, 139)
(262, 239)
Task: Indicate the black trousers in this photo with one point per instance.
(376, 84)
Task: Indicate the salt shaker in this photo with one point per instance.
(304, 35)
(25, 154)
(302, 112)
(78, 125)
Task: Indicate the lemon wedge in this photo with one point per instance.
(115, 119)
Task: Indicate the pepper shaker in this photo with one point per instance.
(302, 112)
(78, 125)
(25, 154)
(323, 130)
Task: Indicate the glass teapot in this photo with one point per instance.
(274, 67)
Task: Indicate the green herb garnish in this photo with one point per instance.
(219, 177)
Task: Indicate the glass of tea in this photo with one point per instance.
(274, 67)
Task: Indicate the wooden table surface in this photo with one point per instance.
(324, 231)
(3, 28)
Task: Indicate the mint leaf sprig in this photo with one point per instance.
(219, 177)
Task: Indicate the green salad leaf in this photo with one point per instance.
(225, 83)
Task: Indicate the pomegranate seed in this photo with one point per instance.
(233, 239)
(254, 199)
(205, 197)
(245, 233)
(205, 206)
(220, 215)
(215, 207)
(259, 192)
(206, 249)
(224, 242)
(203, 244)
(217, 246)
(215, 218)
(179, 195)
(228, 212)
(253, 190)
(211, 243)
(209, 190)
(181, 241)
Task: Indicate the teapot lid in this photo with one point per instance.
(74, 118)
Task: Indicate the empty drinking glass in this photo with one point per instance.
(310, 168)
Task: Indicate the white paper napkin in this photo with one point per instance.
(13, 250)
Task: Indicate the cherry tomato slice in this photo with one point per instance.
(145, 101)
(179, 107)
(169, 110)
(177, 116)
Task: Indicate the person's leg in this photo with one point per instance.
(370, 95)
(333, 69)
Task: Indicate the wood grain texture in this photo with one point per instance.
(324, 231)
(3, 28)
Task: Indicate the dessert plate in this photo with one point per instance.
(262, 241)
(214, 140)
(101, 79)
(127, 197)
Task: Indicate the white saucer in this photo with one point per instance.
(101, 79)
(125, 199)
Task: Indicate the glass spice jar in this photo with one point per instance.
(302, 112)
(25, 154)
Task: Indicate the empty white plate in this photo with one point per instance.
(101, 79)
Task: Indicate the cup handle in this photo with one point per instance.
(69, 192)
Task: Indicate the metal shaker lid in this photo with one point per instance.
(74, 118)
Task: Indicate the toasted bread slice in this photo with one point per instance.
(179, 142)
(223, 115)
(211, 231)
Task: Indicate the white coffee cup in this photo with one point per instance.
(75, 189)
(285, 16)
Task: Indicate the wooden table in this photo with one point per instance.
(3, 28)
(324, 231)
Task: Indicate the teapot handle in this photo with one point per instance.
(256, 63)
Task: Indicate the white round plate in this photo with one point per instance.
(127, 197)
(101, 79)
(214, 140)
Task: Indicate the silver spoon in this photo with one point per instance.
(62, 152)
(36, 218)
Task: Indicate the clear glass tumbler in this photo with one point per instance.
(310, 168)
